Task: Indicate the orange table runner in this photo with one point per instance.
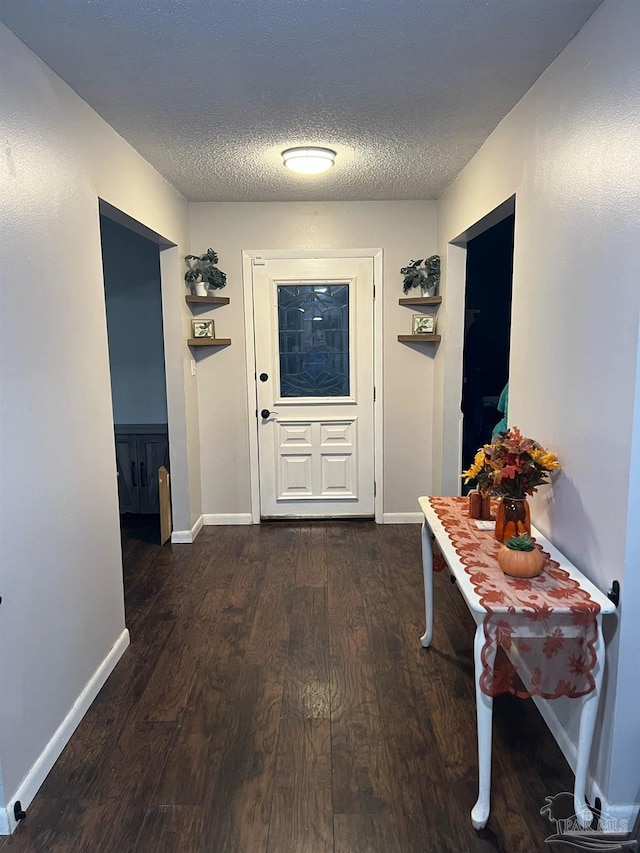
(548, 622)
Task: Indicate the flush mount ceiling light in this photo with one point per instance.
(308, 161)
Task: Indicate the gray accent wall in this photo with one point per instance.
(134, 325)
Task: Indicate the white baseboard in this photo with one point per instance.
(186, 537)
(49, 755)
(402, 518)
(182, 537)
(618, 812)
(567, 746)
(229, 518)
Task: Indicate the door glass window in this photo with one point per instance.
(313, 337)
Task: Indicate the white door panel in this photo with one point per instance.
(314, 343)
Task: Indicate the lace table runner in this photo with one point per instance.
(546, 626)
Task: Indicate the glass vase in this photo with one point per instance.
(513, 518)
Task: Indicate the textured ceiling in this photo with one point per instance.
(210, 93)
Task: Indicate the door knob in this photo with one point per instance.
(265, 413)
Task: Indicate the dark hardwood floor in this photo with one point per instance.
(275, 699)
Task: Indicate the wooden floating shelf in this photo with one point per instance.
(209, 342)
(419, 339)
(421, 300)
(208, 300)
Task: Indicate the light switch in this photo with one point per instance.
(193, 367)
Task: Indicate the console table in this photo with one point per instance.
(537, 637)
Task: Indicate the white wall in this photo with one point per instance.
(60, 574)
(404, 230)
(625, 742)
(4, 819)
(569, 151)
(131, 266)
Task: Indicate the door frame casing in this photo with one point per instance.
(248, 256)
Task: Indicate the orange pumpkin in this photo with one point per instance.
(520, 564)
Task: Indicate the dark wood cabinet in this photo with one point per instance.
(140, 450)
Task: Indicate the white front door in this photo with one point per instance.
(314, 375)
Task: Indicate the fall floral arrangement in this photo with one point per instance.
(513, 466)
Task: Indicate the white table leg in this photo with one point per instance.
(427, 571)
(588, 717)
(484, 716)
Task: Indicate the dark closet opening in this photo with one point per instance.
(131, 267)
(489, 277)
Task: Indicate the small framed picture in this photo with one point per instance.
(202, 329)
(424, 324)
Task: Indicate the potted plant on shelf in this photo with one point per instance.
(512, 468)
(424, 273)
(203, 274)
